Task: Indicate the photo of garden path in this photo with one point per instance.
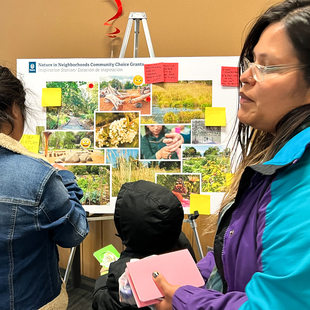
(126, 167)
(71, 147)
(179, 102)
(124, 95)
(79, 100)
(212, 161)
(94, 180)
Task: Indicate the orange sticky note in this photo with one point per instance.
(154, 73)
(51, 97)
(171, 72)
(31, 142)
(200, 203)
(230, 76)
(215, 116)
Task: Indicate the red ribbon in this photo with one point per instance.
(117, 15)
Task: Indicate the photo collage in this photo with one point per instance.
(118, 129)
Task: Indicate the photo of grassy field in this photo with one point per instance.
(127, 168)
(179, 102)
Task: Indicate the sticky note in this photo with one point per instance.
(154, 73)
(31, 142)
(230, 76)
(228, 177)
(215, 116)
(171, 72)
(200, 203)
(51, 97)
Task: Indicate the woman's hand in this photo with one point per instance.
(163, 153)
(167, 290)
(173, 141)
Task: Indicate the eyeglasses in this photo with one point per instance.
(260, 73)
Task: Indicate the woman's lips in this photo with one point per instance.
(244, 98)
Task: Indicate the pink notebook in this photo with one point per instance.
(178, 267)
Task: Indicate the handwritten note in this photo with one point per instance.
(51, 97)
(230, 76)
(171, 72)
(215, 116)
(161, 72)
(31, 142)
(200, 203)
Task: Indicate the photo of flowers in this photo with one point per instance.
(181, 185)
(125, 94)
(71, 147)
(202, 134)
(94, 180)
(79, 100)
(116, 129)
(212, 161)
(179, 102)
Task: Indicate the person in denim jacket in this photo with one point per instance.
(40, 209)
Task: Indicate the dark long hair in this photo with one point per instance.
(256, 145)
(11, 91)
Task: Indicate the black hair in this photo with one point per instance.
(149, 133)
(11, 91)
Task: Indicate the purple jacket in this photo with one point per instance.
(265, 251)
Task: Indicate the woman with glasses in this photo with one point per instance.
(261, 255)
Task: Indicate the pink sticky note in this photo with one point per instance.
(230, 76)
(154, 73)
(171, 72)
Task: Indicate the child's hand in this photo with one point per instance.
(59, 167)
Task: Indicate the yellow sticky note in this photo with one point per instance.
(200, 203)
(51, 97)
(31, 142)
(228, 177)
(215, 116)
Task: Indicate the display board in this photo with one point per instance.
(100, 119)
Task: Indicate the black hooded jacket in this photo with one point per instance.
(148, 219)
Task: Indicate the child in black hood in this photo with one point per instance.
(148, 218)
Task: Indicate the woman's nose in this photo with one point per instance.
(247, 77)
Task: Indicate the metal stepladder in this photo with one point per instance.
(136, 17)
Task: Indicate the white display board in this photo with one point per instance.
(99, 96)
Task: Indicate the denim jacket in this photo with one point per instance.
(39, 209)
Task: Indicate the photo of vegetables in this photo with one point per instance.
(116, 129)
(212, 161)
(94, 180)
(79, 100)
(181, 185)
(179, 102)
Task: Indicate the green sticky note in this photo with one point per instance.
(200, 203)
(215, 116)
(31, 142)
(51, 97)
(106, 256)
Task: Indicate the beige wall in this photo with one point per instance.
(75, 28)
